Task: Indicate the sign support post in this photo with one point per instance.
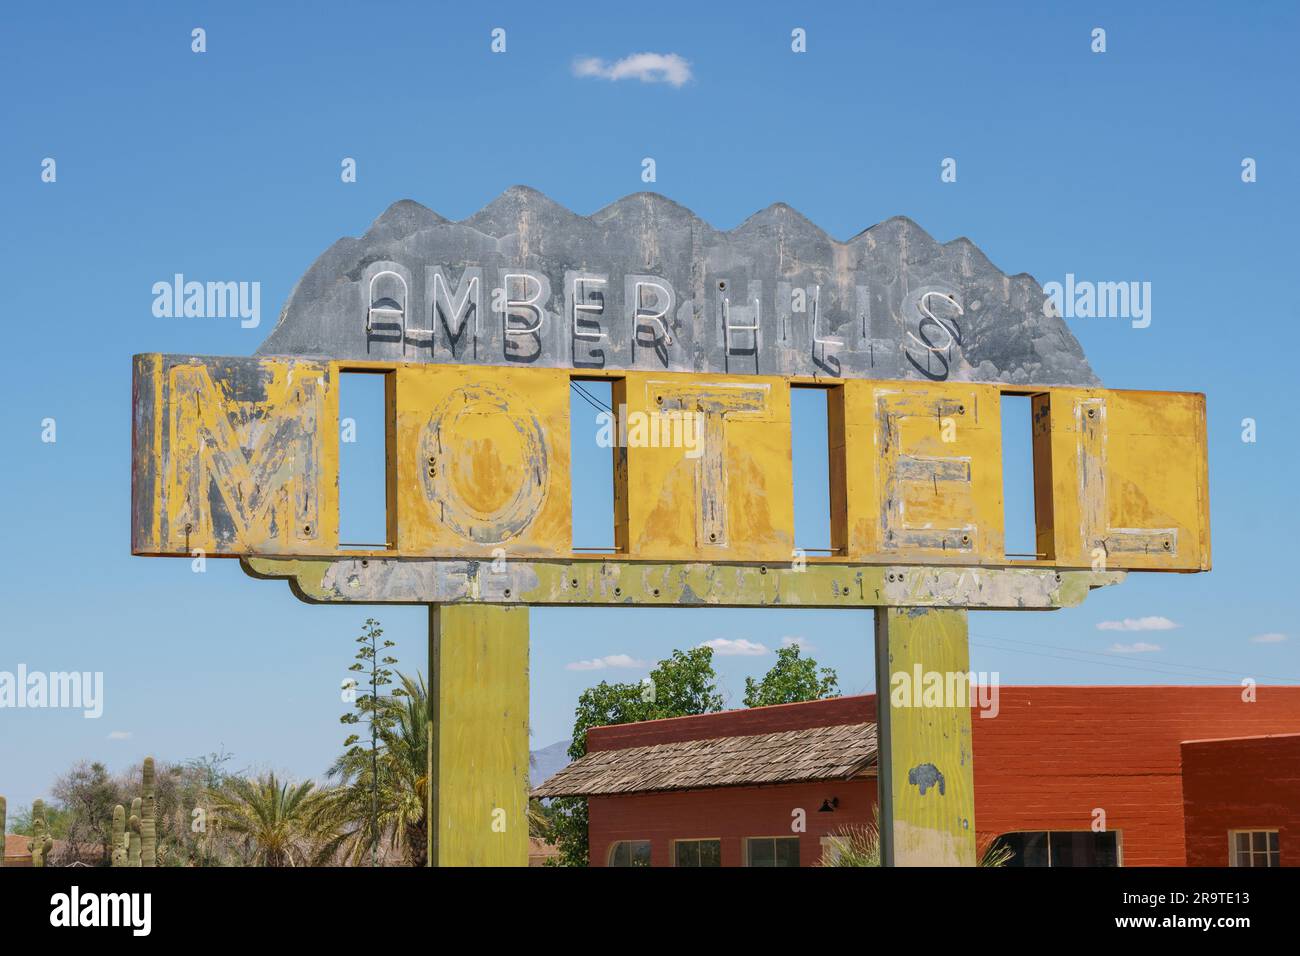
(925, 768)
(478, 710)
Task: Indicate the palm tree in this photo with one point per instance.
(274, 821)
(399, 777)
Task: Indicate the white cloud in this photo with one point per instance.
(799, 642)
(1141, 647)
(1271, 638)
(1152, 623)
(119, 735)
(724, 647)
(647, 67)
(600, 663)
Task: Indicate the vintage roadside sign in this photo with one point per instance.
(239, 457)
(479, 328)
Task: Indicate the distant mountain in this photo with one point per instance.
(548, 761)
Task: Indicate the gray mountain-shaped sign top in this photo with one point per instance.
(646, 284)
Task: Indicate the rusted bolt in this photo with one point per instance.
(659, 399)
(722, 285)
(365, 563)
(763, 569)
(713, 536)
(965, 539)
(656, 592)
(961, 409)
(433, 472)
(1092, 413)
(432, 460)
(573, 582)
(1166, 545)
(617, 591)
(306, 529)
(506, 592)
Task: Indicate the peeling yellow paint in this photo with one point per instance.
(482, 461)
(250, 461)
(1129, 480)
(240, 457)
(731, 497)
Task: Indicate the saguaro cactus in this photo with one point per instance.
(41, 843)
(135, 835)
(120, 838)
(133, 846)
(149, 820)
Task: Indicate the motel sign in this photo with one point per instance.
(479, 328)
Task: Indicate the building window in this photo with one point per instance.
(772, 851)
(1062, 848)
(630, 853)
(697, 853)
(1254, 848)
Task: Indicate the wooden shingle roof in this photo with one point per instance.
(817, 753)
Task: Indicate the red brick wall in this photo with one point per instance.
(729, 814)
(1050, 757)
(1054, 754)
(1247, 784)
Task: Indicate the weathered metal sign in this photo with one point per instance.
(239, 456)
(646, 284)
(480, 327)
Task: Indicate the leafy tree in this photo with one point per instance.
(57, 821)
(86, 795)
(682, 685)
(369, 708)
(193, 838)
(791, 679)
(391, 788)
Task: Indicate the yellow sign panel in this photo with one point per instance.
(922, 465)
(482, 461)
(719, 488)
(240, 457)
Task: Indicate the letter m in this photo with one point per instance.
(233, 458)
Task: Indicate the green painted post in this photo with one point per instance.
(478, 706)
(926, 771)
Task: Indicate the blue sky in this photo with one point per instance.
(1124, 165)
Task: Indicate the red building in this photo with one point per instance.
(1131, 776)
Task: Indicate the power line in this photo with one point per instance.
(1075, 650)
(1130, 667)
(1162, 664)
(590, 399)
(591, 396)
